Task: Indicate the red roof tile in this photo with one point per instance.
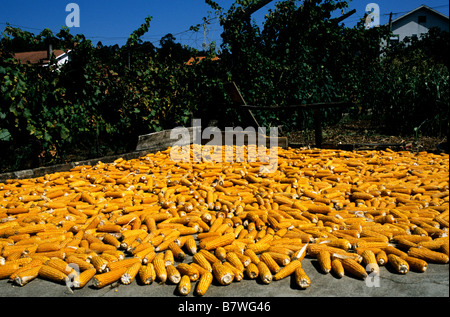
(35, 57)
(199, 59)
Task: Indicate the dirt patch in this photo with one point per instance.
(363, 134)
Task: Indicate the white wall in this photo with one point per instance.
(410, 25)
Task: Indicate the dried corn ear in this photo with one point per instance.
(83, 278)
(203, 283)
(301, 278)
(265, 275)
(353, 268)
(103, 279)
(26, 276)
(52, 274)
(428, 255)
(400, 265)
(287, 270)
(147, 274)
(130, 273)
(184, 285)
(223, 274)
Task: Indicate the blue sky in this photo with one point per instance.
(112, 21)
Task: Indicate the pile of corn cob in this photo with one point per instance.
(144, 218)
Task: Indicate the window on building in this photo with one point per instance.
(422, 19)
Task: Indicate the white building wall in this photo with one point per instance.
(409, 25)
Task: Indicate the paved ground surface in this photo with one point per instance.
(432, 283)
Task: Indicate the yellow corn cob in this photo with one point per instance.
(270, 262)
(238, 275)
(314, 249)
(14, 256)
(111, 240)
(189, 270)
(203, 283)
(234, 260)
(54, 254)
(370, 261)
(83, 278)
(281, 259)
(191, 245)
(125, 219)
(164, 245)
(353, 268)
(26, 276)
(82, 264)
(340, 243)
(428, 255)
(101, 247)
(104, 279)
(173, 275)
(160, 268)
(147, 273)
(52, 274)
(20, 262)
(62, 266)
(415, 264)
(245, 259)
(177, 251)
(252, 271)
(361, 195)
(221, 241)
(223, 274)
(117, 254)
(287, 270)
(394, 250)
(168, 258)
(252, 255)
(444, 249)
(48, 246)
(200, 259)
(184, 285)
(110, 266)
(399, 264)
(130, 273)
(209, 256)
(281, 249)
(220, 253)
(199, 268)
(148, 258)
(337, 268)
(301, 278)
(381, 258)
(99, 263)
(33, 263)
(141, 254)
(324, 261)
(300, 254)
(265, 275)
(432, 244)
(405, 244)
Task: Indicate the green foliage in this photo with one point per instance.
(411, 89)
(100, 102)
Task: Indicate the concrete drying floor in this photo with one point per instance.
(432, 283)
